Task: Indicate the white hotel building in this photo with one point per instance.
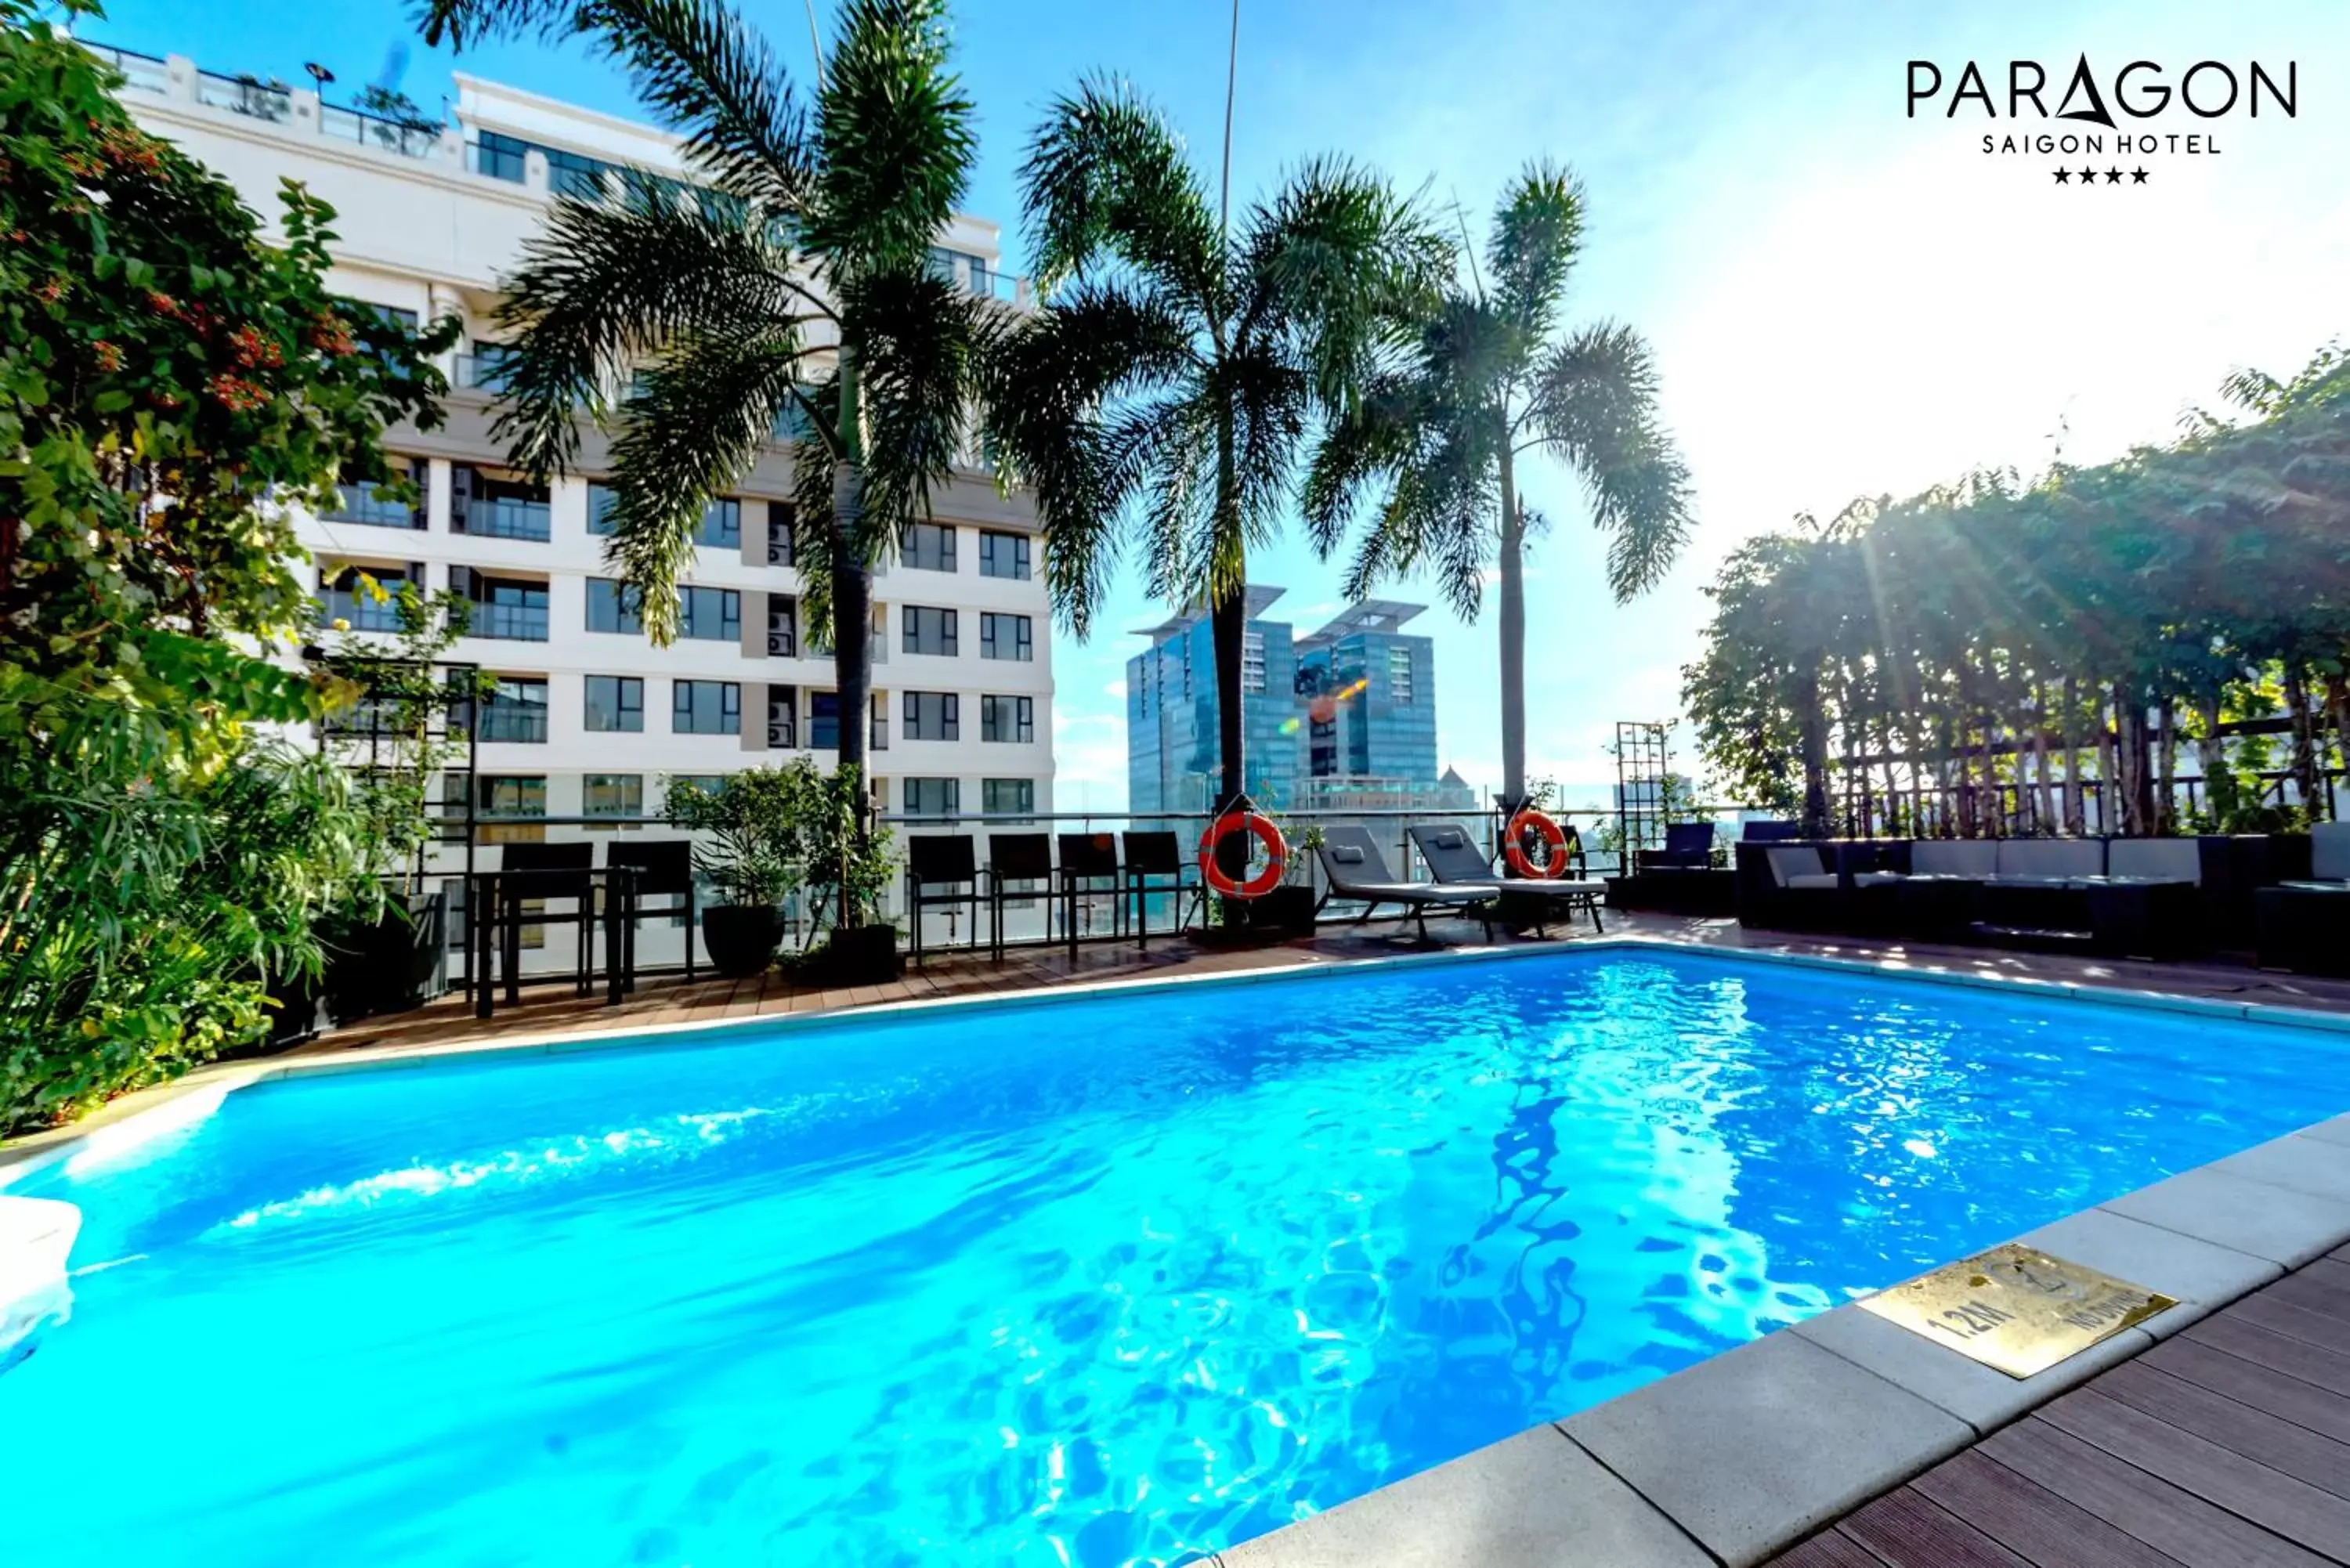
(591, 718)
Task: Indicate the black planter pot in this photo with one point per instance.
(398, 963)
(858, 955)
(740, 939)
(1289, 911)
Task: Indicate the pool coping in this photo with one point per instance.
(1724, 1462)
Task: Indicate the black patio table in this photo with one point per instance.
(496, 898)
(2130, 918)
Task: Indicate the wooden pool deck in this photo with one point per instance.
(2226, 1444)
(551, 1009)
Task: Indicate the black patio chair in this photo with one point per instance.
(664, 869)
(941, 872)
(1155, 864)
(540, 867)
(1689, 846)
(1088, 864)
(1025, 858)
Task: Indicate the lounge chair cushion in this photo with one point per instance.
(1953, 858)
(1876, 879)
(1449, 838)
(1346, 855)
(1791, 861)
(2050, 859)
(2156, 860)
(2329, 852)
(1808, 880)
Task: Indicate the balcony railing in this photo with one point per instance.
(360, 503)
(522, 723)
(407, 139)
(512, 623)
(504, 518)
(360, 611)
(249, 96)
(142, 73)
(484, 372)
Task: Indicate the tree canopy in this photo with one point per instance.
(2114, 607)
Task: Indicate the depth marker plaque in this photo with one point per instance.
(2017, 1309)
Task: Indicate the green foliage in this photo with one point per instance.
(845, 858)
(1161, 399)
(2198, 582)
(168, 382)
(1478, 376)
(404, 721)
(759, 820)
(794, 291)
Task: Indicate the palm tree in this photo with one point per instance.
(1168, 386)
(1488, 380)
(793, 290)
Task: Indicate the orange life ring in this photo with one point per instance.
(1276, 854)
(1513, 846)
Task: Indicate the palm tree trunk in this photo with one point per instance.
(2044, 770)
(2076, 815)
(1510, 559)
(2305, 735)
(852, 605)
(1228, 636)
(2167, 766)
(1813, 728)
(2108, 775)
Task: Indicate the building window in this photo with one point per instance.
(713, 614)
(1004, 556)
(930, 631)
(612, 605)
(390, 314)
(490, 367)
(781, 614)
(1004, 637)
(722, 525)
(1399, 676)
(496, 508)
(346, 597)
(779, 533)
(612, 794)
(930, 546)
(602, 499)
(1007, 797)
(933, 797)
(877, 732)
(366, 503)
(823, 720)
(510, 794)
(616, 703)
(708, 784)
(569, 175)
(932, 716)
(500, 157)
(505, 608)
(1253, 663)
(1012, 719)
(783, 718)
(705, 708)
(515, 711)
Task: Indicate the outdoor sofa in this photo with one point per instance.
(2304, 923)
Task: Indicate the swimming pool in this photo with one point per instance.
(1089, 1280)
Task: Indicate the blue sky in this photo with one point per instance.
(1843, 300)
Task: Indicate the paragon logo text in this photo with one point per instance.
(2117, 107)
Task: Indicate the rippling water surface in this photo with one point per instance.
(1088, 1283)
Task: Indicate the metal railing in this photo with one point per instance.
(505, 517)
(361, 612)
(516, 623)
(409, 139)
(362, 504)
(1102, 913)
(144, 73)
(248, 96)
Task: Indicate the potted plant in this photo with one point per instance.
(400, 720)
(1288, 909)
(849, 867)
(753, 820)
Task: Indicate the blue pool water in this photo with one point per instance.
(1091, 1283)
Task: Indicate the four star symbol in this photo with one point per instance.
(2089, 176)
